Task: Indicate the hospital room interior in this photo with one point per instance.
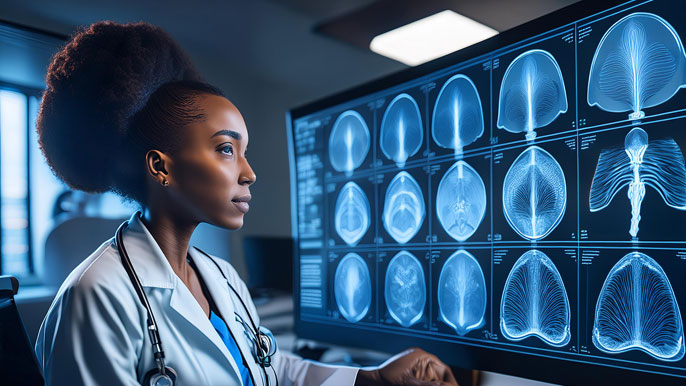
(497, 183)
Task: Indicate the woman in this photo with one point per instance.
(125, 111)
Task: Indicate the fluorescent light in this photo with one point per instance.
(430, 38)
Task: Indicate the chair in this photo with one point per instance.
(18, 364)
(70, 242)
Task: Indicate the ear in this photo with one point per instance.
(158, 165)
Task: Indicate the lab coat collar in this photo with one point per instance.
(151, 266)
(229, 305)
(153, 270)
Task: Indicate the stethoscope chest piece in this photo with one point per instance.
(155, 378)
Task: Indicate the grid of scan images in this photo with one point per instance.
(532, 199)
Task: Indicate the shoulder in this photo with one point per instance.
(100, 279)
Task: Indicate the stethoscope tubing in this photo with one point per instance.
(262, 355)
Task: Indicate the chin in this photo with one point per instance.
(232, 223)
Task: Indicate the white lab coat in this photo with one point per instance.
(95, 331)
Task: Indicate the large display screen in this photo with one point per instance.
(518, 206)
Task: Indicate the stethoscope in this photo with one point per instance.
(263, 344)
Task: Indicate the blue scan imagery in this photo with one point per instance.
(402, 132)
(403, 212)
(458, 118)
(352, 213)
(461, 201)
(534, 194)
(353, 287)
(462, 293)
(637, 310)
(532, 93)
(348, 142)
(535, 301)
(657, 163)
(405, 289)
(639, 63)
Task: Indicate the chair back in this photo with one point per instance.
(70, 242)
(18, 364)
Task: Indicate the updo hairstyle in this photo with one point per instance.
(115, 91)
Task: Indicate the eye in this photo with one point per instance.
(226, 150)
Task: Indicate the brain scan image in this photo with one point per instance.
(637, 310)
(402, 132)
(639, 63)
(532, 93)
(353, 287)
(462, 293)
(405, 289)
(534, 194)
(458, 119)
(534, 301)
(348, 142)
(352, 213)
(640, 163)
(403, 212)
(461, 201)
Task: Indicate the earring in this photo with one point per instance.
(165, 183)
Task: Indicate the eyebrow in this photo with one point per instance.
(229, 133)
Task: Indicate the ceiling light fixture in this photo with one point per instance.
(430, 38)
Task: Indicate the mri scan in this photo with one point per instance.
(462, 293)
(353, 287)
(639, 63)
(405, 289)
(348, 142)
(534, 193)
(637, 310)
(352, 214)
(458, 119)
(404, 211)
(402, 132)
(524, 198)
(535, 302)
(640, 163)
(461, 201)
(532, 93)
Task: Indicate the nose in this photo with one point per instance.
(247, 176)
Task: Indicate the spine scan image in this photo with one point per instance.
(534, 194)
(353, 287)
(405, 289)
(458, 119)
(535, 301)
(637, 310)
(639, 63)
(403, 212)
(640, 163)
(352, 214)
(348, 142)
(532, 93)
(461, 201)
(402, 132)
(462, 293)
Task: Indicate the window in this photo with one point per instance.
(27, 185)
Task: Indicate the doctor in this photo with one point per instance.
(125, 111)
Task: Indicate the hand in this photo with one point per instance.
(413, 367)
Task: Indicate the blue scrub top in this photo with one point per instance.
(219, 325)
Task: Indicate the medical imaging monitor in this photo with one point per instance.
(518, 206)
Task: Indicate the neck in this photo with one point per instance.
(173, 235)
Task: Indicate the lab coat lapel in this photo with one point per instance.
(154, 270)
(228, 305)
(184, 303)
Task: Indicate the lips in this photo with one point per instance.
(242, 203)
